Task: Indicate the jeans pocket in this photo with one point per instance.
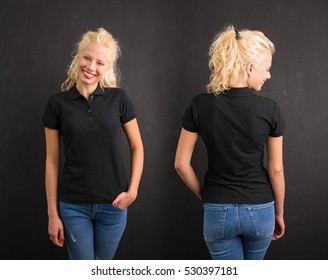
(263, 219)
(214, 222)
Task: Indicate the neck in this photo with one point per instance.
(85, 90)
(239, 84)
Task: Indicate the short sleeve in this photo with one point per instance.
(50, 117)
(278, 123)
(128, 111)
(189, 120)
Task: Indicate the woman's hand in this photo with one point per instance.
(124, 199)
(279, 228)
(56, 231)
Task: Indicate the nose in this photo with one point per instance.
(269, 76)
(91, 65)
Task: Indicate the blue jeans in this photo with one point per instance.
(238, 231)
(92, 231)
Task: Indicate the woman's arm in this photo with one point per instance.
(132, 132)
(277, 178)
(55, 226)
(183, 157)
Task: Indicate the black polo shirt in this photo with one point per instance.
(235, 126)
(91, 132)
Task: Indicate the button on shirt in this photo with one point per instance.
(91, 132)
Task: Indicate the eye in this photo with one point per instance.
(100, 63)
(87, 58)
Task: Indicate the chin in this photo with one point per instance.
(259, 88)
(256, 88)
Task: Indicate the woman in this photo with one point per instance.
(88, 118)
(243, 202)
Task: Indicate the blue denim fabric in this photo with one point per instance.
(238, 231)
(92, 231)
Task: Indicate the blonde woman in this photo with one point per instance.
(87, 206)
(243, 201)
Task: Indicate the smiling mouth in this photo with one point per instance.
(88, 75)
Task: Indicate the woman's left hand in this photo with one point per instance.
(124, 200)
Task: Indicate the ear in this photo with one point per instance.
(249, 68)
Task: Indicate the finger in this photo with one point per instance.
(278, 234)
(123, 203)
(54, 240)
(118, 198)
(57, 240)
(61, 237)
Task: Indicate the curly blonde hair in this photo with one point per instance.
(230, 53)
(103, 37)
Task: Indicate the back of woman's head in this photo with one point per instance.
(230, 53)
(104, 38)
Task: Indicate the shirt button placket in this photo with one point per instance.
(90, 114)
(90, 109)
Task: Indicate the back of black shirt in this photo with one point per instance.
(235, 126)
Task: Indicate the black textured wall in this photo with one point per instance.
(164, 64)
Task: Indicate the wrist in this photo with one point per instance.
(53, 214)
(133, 193)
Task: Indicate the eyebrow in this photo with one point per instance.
(98, 60)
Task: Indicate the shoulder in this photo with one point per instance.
(266, 101)
(118, 97)
(58, 97)
(114, 91)
(72, 93)
(203, 102)
(268, 107)
(204, 98)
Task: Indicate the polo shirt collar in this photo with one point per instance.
(73, 93)
(244, 91)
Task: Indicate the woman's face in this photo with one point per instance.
(92, 63)
(259, 73)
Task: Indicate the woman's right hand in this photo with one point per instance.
(56, 231)
(279, 229)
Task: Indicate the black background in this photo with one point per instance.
(164, 63)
